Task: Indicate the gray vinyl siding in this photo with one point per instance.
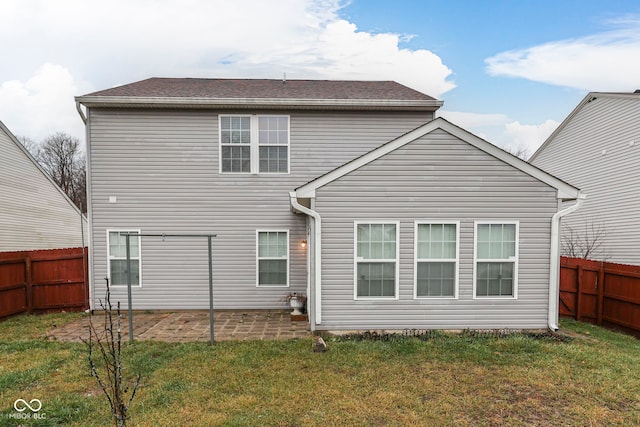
(162, 166)
(436, 177)
(611, 181)
(34, 214)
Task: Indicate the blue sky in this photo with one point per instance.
(465, 33)
(509, 71)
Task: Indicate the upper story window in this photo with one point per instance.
(235, 143)
(254, 144)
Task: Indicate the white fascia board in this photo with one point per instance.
(244, 103)
(565, 191)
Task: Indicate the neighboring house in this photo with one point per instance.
(349, 191)
(597, 148)
(34, 212)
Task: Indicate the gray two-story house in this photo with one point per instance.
(349, 191)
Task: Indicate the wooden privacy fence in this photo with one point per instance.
(43, 281)
(602, 293)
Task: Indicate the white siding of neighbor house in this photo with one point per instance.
(34, 213)
(598, 150)
(162, 168)
(436, 177)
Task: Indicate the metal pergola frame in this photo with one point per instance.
(163, 235)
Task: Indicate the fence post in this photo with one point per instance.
(601, 286)
(29, 283)
(579, 291)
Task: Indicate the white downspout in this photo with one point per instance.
(554, 261)
(317, 253)
(82, 116)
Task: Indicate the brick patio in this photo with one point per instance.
(193, 325)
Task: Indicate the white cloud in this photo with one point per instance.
(466, 119)
(607, 61)
(42, 104)
(528, 137)
(348, 53)
(500, 130)
(121, 41)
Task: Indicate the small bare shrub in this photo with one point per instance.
(105, 361)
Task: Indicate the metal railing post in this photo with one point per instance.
(210, 289)
(130, 310)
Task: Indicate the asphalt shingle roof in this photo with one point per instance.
(265, 88)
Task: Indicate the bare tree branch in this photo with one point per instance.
(586, 243)
(110, 374)
(32, 146)
(521, 151)
(61, 156)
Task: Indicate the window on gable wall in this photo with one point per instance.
(496, 260)
(376, 260)
(436, 260)
(254, 144)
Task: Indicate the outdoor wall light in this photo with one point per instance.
(303, 244)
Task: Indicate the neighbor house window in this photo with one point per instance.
(436, 268)
(376, 260)
(254, 144)
(496, 253)
(117, 254)
(273, 258)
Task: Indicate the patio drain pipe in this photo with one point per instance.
(317, 255)
(554, 261)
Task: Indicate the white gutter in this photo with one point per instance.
(244, 103)
(82, 116)
(554, 261)
(317, 254)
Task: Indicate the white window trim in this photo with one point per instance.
(258, 145)
(515, 259)
(355, 261)
(271, 230)
(220, 144)
(128, 230)
(254, 145)
(416, 259)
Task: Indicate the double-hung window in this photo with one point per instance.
(273, 258)
(436, 263)
(254, 144)
(273, 144)
(117, 254)
(496, 259)
(235, 143)
(376, 260)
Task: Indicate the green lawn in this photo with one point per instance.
(593, 379)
